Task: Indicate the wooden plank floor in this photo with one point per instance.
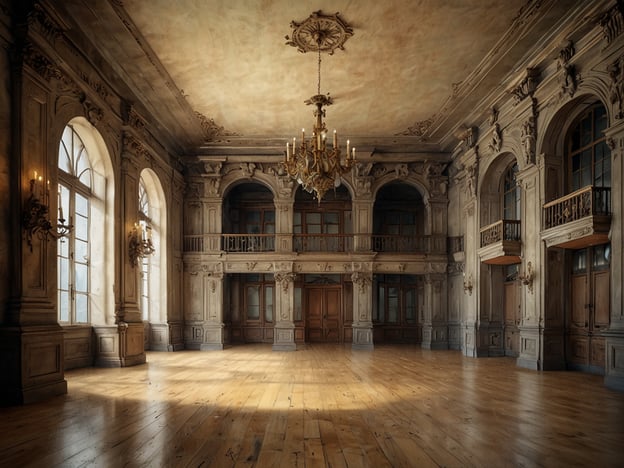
(324, 405)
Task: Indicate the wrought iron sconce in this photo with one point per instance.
(527, 277)
(468, 284)
(35, 218)
(140, 242)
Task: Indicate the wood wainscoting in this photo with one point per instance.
(324, 405)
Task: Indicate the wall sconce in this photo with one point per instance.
(140, 242)
(468, 284)
(527, 277)
(35, 219)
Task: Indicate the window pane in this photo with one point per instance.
(268, 303)
(393, 305)
(82, 308)
(81, 227)
(82, 277)
(313, 218)
(298, 304)
(410, 306)
(253, 302)
(63, 306)
(380, 304)
(82, 251)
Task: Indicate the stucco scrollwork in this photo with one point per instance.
(612, 23)
(213, 184)
(568, 77)
(616, 91)
(528, 138)
(285, 279)
(362, 280)
(527, 86)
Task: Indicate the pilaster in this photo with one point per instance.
(362, 310)
(284, 328)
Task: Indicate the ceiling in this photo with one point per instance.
(410, 76)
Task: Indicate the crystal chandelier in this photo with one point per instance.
(315, 165)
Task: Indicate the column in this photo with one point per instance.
(362, 310)
(284, 328)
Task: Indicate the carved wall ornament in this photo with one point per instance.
(363, 185)
(528, 138)
(362, 280)
(612, 23)
(248, 169)
(363, 170)
(527, 86)
(213, 168)
(568, 78)
(319, 31)
(496, 142)
(493, 116)
(285, 279)
(251, 265)
(95, 85)
(93, 113)
(401, 170)
(211, 129)
(616, 91)
(50, 28)
(419, 129)
(285, 186)
(40, 63)
(468, 136)
(471, 179)
(213, 186)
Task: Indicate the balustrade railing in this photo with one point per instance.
(411, 244)
(588, 201)
(322, 242)
(502, 230)
(248, 242)
(318, 243)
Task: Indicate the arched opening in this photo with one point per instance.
(153, 268)
(399, 219)
(500, 250)
(85, 259)
(249, 227)
(399, 225)
(576, 227)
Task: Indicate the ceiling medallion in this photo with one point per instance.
(324, 33)
(315, 165)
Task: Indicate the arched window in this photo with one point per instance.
(73, 254)
(144, 218)
(589, 157)
(511, 194)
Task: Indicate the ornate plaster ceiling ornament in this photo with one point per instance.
(319, 32)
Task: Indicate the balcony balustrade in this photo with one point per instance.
(579, 219)
(588, 201)
(502, 230)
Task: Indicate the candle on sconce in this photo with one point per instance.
(303, 135)
(287, 151)
(60, 207)
(353, 155)
(335, 139)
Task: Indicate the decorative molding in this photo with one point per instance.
(568, 76)
(319, 32)
(51, 29)
(616, 91)
(362, 280)
(468, 136)
(285, 279)
(210, 128)
(528, 135)
(496, 141)
(40, 63)
(419, 129)
(527, 86)
(612, 23)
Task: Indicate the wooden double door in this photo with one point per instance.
(323, 312)
(589, 309)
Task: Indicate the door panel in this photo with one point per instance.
(601, 299)
(580, 310)
(512, 318)
(324, 311)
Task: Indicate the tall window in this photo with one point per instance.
(589, 157)
(73, 253)
(145, 220)
(511, 194)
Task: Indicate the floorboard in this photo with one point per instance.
(322, 405)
